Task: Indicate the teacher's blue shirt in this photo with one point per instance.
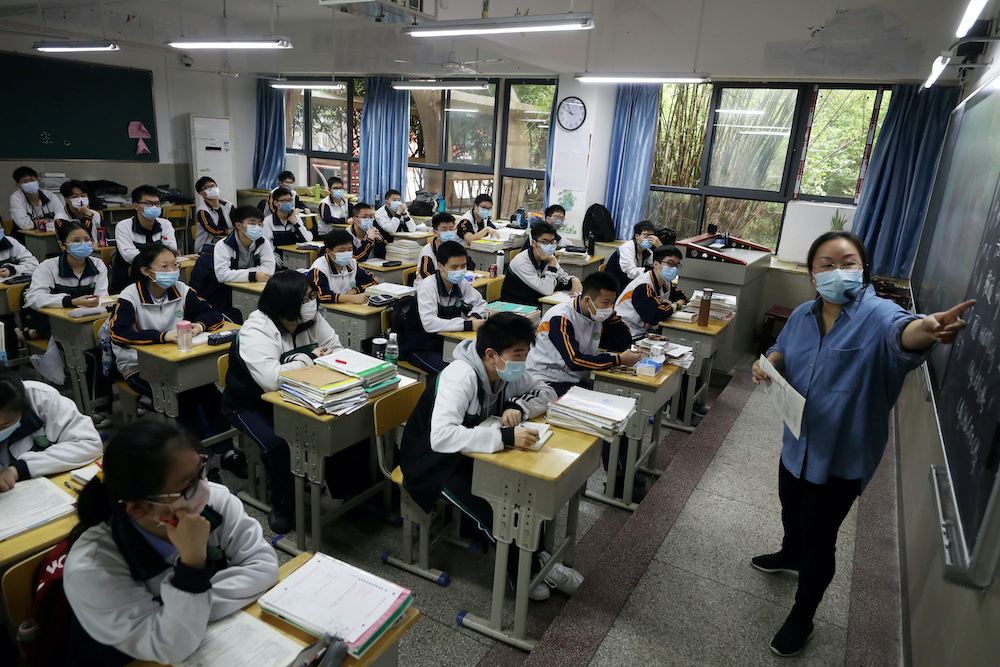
(851, 378)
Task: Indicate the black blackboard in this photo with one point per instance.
(65, 110)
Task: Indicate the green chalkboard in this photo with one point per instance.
(65, 110)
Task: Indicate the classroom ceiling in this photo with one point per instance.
(846, 40)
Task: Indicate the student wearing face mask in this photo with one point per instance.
(535, 273)
(29, 203)
(652, 297)
(77, 207)
(634, 257)
(367, 240)
(335, 208)
(15, 260)
(284, 226)
(847, 352)
(393, 217)
(444, 227)
(286, 180)
(336, 275)
(159, 552)
(213, 219)
(477, 222)
(41, 432)
(555, 215)
(486, 379)
(144, 229)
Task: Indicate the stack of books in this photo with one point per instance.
(310, 245)
(723, 305)
(574, 258)
(591, 412)
(392, 289)
(322, 390)
(376, 375)
(530, 312)
(328, 596)
(673, 353)
(510, 237)
(402, 250)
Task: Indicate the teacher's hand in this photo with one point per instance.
(758, 374)
(944, 326)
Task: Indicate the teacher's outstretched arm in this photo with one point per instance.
(940, 327)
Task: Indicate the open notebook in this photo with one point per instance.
(32, 503)
(544, 431)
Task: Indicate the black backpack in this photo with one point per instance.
(395, 314)
(597, 221)
(424, 203)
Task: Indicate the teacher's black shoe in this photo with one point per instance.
(775, 563)
(792, 637)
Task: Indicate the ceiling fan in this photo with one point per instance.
(453, 66)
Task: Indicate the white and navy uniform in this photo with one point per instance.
(332, 212)
(54, 284)
(365, 247)
(389, 223)
(130, 238)
(129, 590)
(213, 224)
(285, 233)
(567, 344)
(640, 307)
(297, 203)
(427, 261)
(527, 280)
(89, 221)
(26, 215)
(332, 281)
(141, 319)
(15, 257)
(53, 436)
(628, 263)
(467, 225)
(235, 264)
(438, 309)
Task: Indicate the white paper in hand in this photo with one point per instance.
(789, 402)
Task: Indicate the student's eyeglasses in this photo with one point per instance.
(147, 204)
(310, 297)
(166, 267)
(253, 224)
(820, 268)
(190, 489)
(672, 264)
(558, 218)
(285, 201)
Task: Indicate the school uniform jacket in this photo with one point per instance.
(389, 223)
(15, 257)
(567, 344)
(332, 281)
(54, 284)
(439, 309)
(446, 421)
(235, 264)
(467, 225)
(25, 215)
(213, 224)
(131, 237)
(527, 279)
(265, 348)
(640, 307)
(332, 213)
(127, 594)
(427, 261)
(139, 319)
(53, 436)
(628, 263)
(297, 203)
(285, 233)
(89, 221)
(365, 247)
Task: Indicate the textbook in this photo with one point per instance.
(544, 431)
(723, 306)
(382, 388)
(85, 474)
(594, 412)
(402, 250)
(532, 313)
(392, 289)
(318, 379)
(326, 595)
(369, 370)
(32, 503)
(322, 390)
(574, 258)
(240, 639)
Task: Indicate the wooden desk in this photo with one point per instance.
(24, 545)
(295, 258)
(384, 653)
(312, 439)
(40, 244)
(170, 371)
(581, 271)
(706, 341)
(451, 341)
(392, 274)
(532, 486)
(651, 395)
(605, 249)
(76, 335)
(420, 237)
(354, 322)
(547, 302)
(246, 296)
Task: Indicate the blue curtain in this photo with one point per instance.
(632, 141)
(385, 129)
(900, 176)
(269, 149)
(548, 151)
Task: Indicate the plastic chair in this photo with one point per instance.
(493, 290)
(14, 293)
(178, 212)
(256, 495)
(409, 275)
(127, 396)
(18, 588)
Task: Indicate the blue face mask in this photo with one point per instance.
(81, 249)
(365, 223)
(668, 273)
(548, 249)
(7, 432)
(512, 370)
(449, 236)
(166, 279)
(342, 258)
(646, 244)
(394, 205)
(254, 232)
(484, 213)
(286, 207)
(455, 277)
(152, 212)
(337, 194)
(30, 188)
(840, 285)
(2, 234)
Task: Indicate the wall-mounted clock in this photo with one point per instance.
(571, 113)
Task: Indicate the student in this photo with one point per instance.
(147, 312)
(214, 216)
(445, 229)
(284, 226)
(393, 217)
(476, 223)
(335, 209)
(447, 302)
(535, 273)
(143, 229)
(336, 275)
(555, 215)
(652, 297)
(367, 239)
(74, 279)
(286, 332)
(15, 260)
(286, 180)
(41, 432)
(159, 552)
(633, 258)
(486, 379)
(29, 203)
(77, 207)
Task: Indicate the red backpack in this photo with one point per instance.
(42, 637)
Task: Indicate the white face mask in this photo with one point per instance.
(79, 202)
(212, 193)
(307, 313)
(601, 314)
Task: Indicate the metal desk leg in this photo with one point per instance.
(572, 525)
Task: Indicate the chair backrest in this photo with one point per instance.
(8, 227)
(97, 327)
(18, 588)
(194, 232)
(175, 212)
(14, 296)
(223, 369)
(389, 411)
(409, 275)
(514, 254)
(493, 290)
(603, 266)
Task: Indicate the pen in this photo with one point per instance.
(72, 487)
(340, 361)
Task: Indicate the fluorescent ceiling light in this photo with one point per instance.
(642, 78)
(68, 46)
(308, 85)
(458, 110)
(265, 42)
(972, 13)
(937, 67)
(453, 84)
(504, 25)
(743, 112)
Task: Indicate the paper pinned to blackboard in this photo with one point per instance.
(136, 130)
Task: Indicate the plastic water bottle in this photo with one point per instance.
(392, 349)
(185, 336)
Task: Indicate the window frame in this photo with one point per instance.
(307, 150)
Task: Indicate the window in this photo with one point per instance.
(425, 126)
(749, 219)
(526, 193)
(530, 105)
(418, 178)
(676, 210)
(328, 116)
(462, 188)
(295, 122)
(680, 135)
(470, 127)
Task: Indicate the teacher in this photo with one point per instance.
(847, 353)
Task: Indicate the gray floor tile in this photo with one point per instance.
(743, 472)
(433, 644)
